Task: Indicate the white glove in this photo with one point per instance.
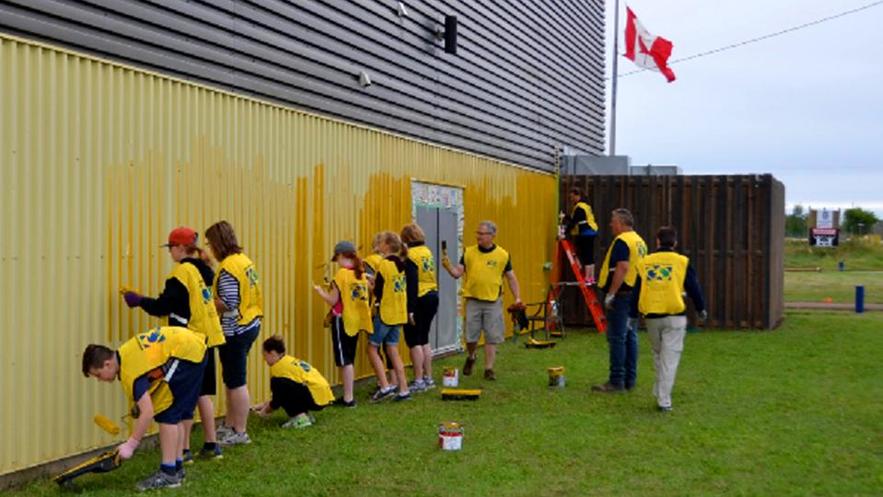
(608, 300)
(632, 324)
(702, 315)
(127, 448)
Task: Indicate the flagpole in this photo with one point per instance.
(614, 78)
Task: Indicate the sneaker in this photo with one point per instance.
(607, 388)
(382, 394)
(210, 454)
(299, 422)
(402, 396)
(428, 383)
(490, 375)
(235, 438)
(664, 408)
(343, 403)
(158, 480)
(222, 431)
(181, 474)
(417, 386)
(312, 418)
(467, 368)
(188, 457)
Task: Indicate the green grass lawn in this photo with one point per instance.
(857, 255)
(839, 286)
(792, 412)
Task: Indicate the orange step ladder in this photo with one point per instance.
(592, 304)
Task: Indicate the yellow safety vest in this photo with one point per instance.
(662, 283)
(590, 218)
(422, 257)
(373, 261)
(637, 250)
(354, 295)
(251, 301)
(149, 351)
(394, 306)
(301, 372)
(484, 273)
(203, 314)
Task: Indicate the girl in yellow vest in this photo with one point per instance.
(372, 263)
(297, 387)
(240, 303)
(425, 307)
(582, 225)
(390, 291)
(187, 301)
(348, 298)
(161, 374)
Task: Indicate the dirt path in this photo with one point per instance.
(831, 307)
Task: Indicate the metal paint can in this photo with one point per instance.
(556, 377)
(450, 435)
(451, 377)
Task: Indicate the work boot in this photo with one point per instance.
(490, 375)
(467, 368)
(607, 388)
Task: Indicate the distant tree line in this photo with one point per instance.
(856, 221)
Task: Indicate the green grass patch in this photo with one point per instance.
(860, 254)
(792, 412)
(838, 286)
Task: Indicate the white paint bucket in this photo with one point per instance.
(451, 377)
(450, 436)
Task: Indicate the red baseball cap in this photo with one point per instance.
(182, 235)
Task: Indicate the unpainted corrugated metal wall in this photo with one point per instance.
(731, 228)
(100, 161)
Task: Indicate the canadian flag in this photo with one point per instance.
(646, 50)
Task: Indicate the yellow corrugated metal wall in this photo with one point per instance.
(100, 161)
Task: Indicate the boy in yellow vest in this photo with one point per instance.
(484, 266)
(663, 279)
(297, 387)
(617, 277)
(161, 374)
(186, 300)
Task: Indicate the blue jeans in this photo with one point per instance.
(623, 342)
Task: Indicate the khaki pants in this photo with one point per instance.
(667, 341)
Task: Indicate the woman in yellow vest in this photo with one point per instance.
(348, 298)
(663, 278)
(425, 307)
(240, 303)
(390, 292)
(581, 224)
(161, 374)
(297, 387)
(187, 301)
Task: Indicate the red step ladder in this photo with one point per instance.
(592, 304)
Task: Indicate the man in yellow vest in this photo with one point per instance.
(161, 374)
(616, 279)
(297, 387)
(484, 265)
(663, 278)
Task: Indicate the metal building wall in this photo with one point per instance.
(99, 161)
(731, 228)
(527, 76)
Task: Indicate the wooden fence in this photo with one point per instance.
(731, 227)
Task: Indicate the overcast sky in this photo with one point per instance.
(806, 106)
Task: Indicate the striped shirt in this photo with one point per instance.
(228, 292)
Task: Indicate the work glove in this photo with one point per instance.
(446, 263)
(631, 323)
(702, 315)
(127, 448)
(132, 299)
(608, 301)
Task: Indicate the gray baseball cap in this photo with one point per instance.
(342, 247)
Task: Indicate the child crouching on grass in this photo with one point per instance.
(296, 386)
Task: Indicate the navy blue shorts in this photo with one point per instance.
(234, 357)
(185, 383)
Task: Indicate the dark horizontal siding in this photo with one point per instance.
(527, 78)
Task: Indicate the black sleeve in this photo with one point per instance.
(636, 294)
(378, 287)
(412, 284)
(174, 299)
(694, 290)
(280, 388)
(574, 220)
(508, 265)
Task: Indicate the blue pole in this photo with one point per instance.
(859, 299)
